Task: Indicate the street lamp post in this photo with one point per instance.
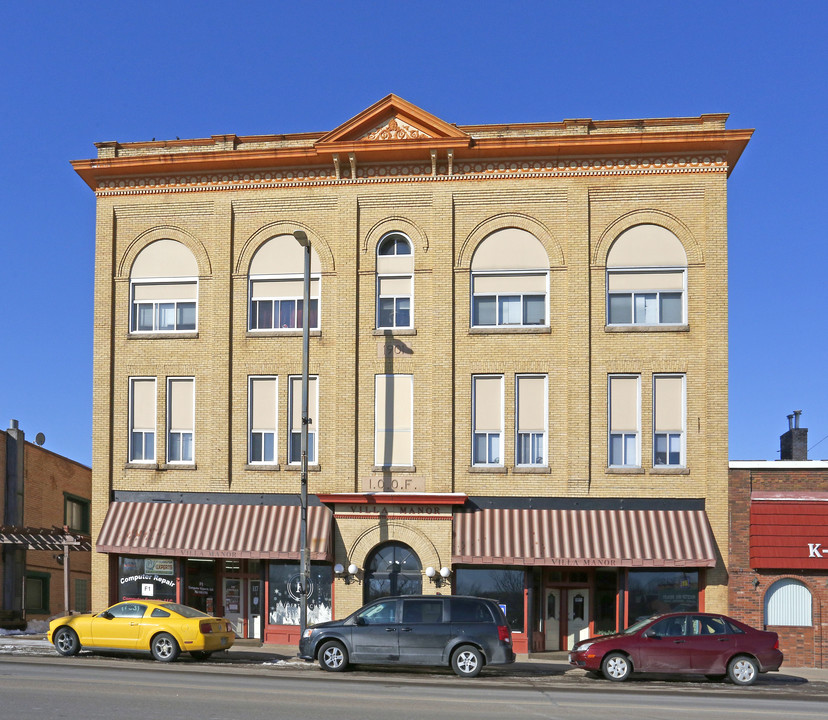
(304, 559)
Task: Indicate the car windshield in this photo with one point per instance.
(184, 610)
(635, 627)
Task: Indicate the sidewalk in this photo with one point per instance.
(548, 665)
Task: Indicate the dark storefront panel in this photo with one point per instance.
(658, 591)
(200, 590)
(505, 585)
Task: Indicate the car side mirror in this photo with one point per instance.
(106, 614)
(361, 621)
(652, 634)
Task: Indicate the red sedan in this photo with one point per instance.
(711, 645)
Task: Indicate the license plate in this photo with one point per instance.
(224, 641)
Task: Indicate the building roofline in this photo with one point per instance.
(778, 464)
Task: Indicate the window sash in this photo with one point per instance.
(295, 418)
(623, 450)
(645, 308)
(486, 448)
(531, 448)
(284, 314)
(667, 449)
(164, 316)
(520, 310)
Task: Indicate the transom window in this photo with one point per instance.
(646, 278)
(510, 281)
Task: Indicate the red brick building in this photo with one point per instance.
(44, 499)
(779, 549)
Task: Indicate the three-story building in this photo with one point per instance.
(518, 368)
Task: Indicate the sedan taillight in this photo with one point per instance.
(504, 634)
(207, 627)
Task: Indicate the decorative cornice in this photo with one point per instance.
(414, 172)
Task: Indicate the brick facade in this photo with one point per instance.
(575, 186)
(48, 480)
(803, 646)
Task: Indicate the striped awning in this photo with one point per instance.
(213, 531)
(620, 538)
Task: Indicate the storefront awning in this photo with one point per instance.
(213, 531)
(584, 538)
(789, 530)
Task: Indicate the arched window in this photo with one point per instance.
(510, 281)
(646, 278)
(788, 602)
(392, 569)
(164, 289)
(395, 282)
(277, 274)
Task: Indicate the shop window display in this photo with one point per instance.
(659, 591)
(283, 605)
(503, 585)
(142, 578)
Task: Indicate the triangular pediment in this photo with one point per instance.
(392, 120)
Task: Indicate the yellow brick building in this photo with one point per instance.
(518, 362)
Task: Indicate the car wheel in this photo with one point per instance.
(66, 641)
(200, 654)
(616, 667)
(742, 670)
(333, 657)
(467, 661)
(164, 647)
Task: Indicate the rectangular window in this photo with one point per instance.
(394, 302)
(513, 299)
(393, 420)
(295, 419)
(37, 592)
(668, 420)
(624, 420)
(636, 297)
(180, 419)
(531, 419)
(142, 414)
(487, 414)
(164, 306)
(76, 513)
(262, 418)
(277, 303)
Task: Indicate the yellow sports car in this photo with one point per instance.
(164, 628)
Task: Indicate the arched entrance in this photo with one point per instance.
(392, 569)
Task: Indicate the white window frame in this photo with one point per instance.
(498, 296)
(252, 430)
(682, 434)
(658, 292)
(175, 302)
(488, 434)
(297, 301)
(624, 435)
(313, 426)
(144, 433)
(382, 429)
(182, 434)
(543, 441)
(395, 298)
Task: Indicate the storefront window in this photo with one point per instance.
(503, 585)
(283, 606)
(201, 585)
(606, 592)
(141, 578)
(660, 591)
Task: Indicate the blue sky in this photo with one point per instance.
(76, 73)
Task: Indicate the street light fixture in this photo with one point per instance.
(304, 559)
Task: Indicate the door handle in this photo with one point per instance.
(679, 642)
(390, 629)
(407, 629)
(133, 623)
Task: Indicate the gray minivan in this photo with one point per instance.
(465, 633)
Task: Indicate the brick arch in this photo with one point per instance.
(400, 532)
(510, 220)
(283, 227)
(694, 252)
(398, 224)
(165, 232)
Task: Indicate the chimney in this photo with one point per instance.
(793, 445)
